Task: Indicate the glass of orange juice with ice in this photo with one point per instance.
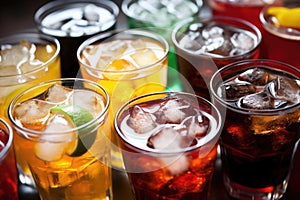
(26, 59)
(127, 63)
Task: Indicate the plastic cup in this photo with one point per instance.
(259, 138)
(26, 60)
(178, 165)
(72, 22)
(127, 63)
(65, 138)
(280, 42)
(204, 45)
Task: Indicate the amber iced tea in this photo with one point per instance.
(204, 45)
(169, 145)
(26, 59)
(261, 128)
(64, 131)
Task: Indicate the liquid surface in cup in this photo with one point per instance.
(8, 179)
(70, 164)
(258, 148)
(23, 64)
(217, 40)
(126, 68)
(167, 125)
(162, 13)
(78, 20)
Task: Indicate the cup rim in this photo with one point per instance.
(182, 23)
(38, 15)
(8, 145)
(109, 34)
(212, 135)
(28, 36)
(252, 63)
(49, 83)
(282, 32)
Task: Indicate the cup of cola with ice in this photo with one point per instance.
(169, 144)
(203, 45)
(261, 128)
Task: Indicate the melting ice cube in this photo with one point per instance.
(286, 89)
(259, 100)
(144, 57)
(33, 114)
(171, 112)
(170, 139)
(89, 100)
(234, 90)
(58, 93)
(53, 146)
(242, 41)
(141, 121)
(256, 76)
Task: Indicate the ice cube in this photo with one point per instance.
(53, 146)
(33, 114)
(256, 76)
(138, 44)
(169, 138)
(89, 100)
(58, 93)
(259, 100)
(213, 44)
(190, 42)
(15, 54)
(211, 32)
(197, 126)
(114, 48)
(141, 121)
(224, 50)
(171, 112)
(89, 13)
(144, 57)
(234, 90)
(286, 89)
(242, 41)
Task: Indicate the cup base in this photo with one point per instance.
(238, 191)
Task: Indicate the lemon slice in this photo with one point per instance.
(286, 17)
(79, 116)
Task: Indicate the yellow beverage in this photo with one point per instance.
(65, 138)
(26, 59)
(127, 64)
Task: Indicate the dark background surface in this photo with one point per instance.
(17, 15)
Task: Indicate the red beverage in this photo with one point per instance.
(281, 37)
(169, 145)
(244, 9)
(8, 170)
(204, 45)
(261, 128)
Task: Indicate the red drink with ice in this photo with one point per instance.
(169, 145)
(281, 33)
(261, 128)
(204, 45)
(245, 9)
(8, 170)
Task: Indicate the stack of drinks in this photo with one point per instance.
(186, 86)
